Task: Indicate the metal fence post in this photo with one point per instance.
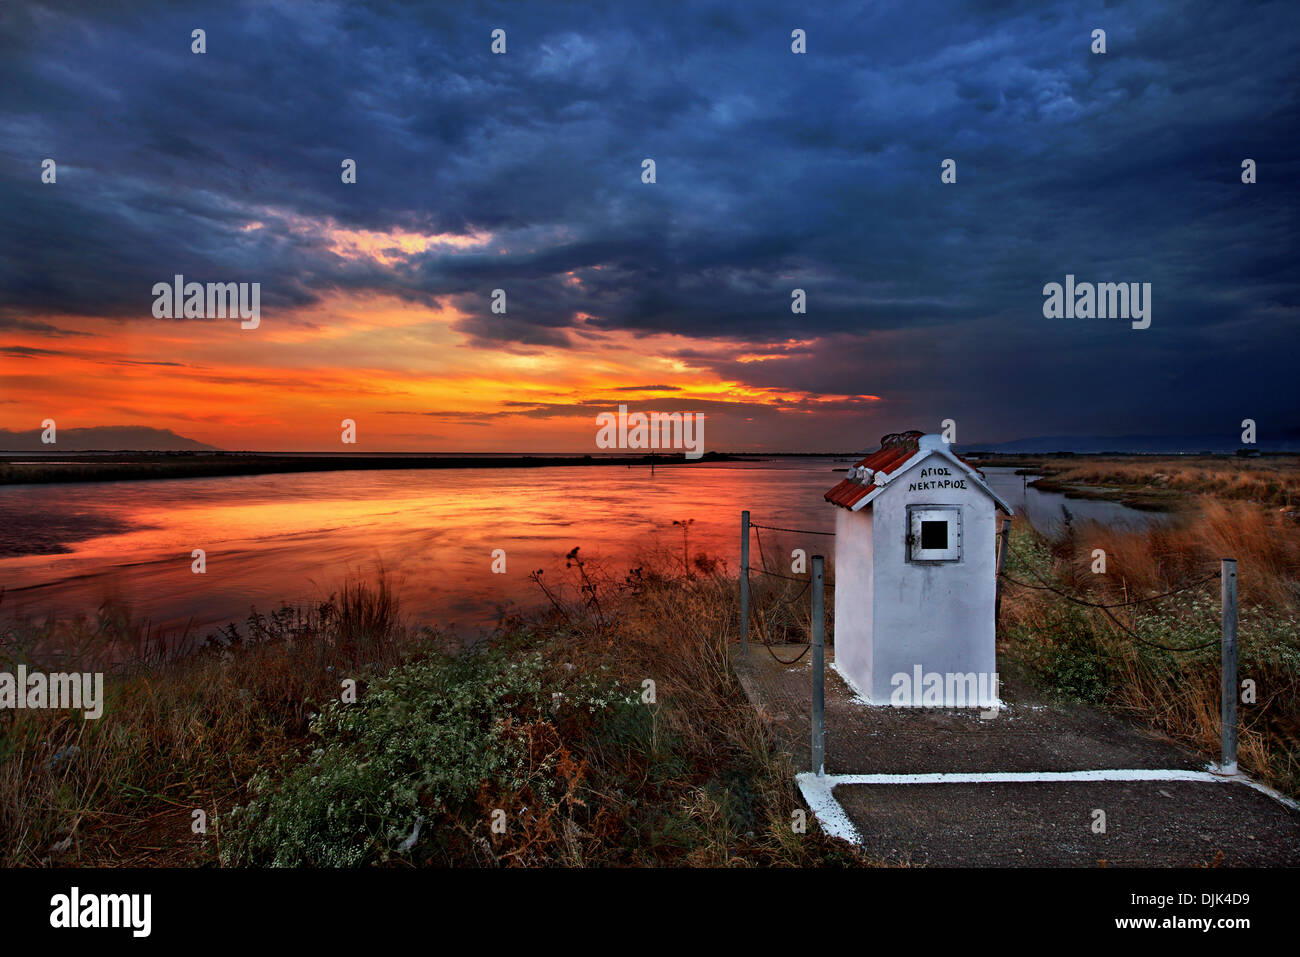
(744, 583)
(1228, 690)
(819, 666)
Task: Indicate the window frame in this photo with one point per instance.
(918, 513)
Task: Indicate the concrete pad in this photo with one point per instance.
(1177, 822)
(1148, 824)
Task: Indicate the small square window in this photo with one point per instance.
(934, 535)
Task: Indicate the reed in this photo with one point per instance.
(1271, 480)
(1119, 662)
(595, 777)
(178, 733)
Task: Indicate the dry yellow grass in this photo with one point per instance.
(178, 734)
(706, 786)
(1087, 654)
(1270, 480)
(1265, 543)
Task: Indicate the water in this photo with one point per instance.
(1044, 509)
(65, 549)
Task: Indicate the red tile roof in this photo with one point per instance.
(895, 449)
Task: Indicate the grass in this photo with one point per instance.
(1169, 480)
(1085, 654)
(176, 735)
(548, 731)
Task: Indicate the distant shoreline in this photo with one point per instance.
(28, 468)
(41, 468)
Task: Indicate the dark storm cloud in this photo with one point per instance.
(775, 171)
(9, 319)
(26, 352)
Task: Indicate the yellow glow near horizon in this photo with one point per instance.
(407, 372)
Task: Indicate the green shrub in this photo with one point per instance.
(418, 747)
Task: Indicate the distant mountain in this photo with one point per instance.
(103, 438)
(1162, 444)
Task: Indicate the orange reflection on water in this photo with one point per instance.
(295, 538)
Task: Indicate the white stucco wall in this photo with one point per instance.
(853, 591)
(896, 615)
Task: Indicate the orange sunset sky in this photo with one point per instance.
(402, 370)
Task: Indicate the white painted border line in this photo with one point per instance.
(1020, 777)
(1265, 789)
(817, 788)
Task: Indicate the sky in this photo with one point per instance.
(523, 171)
